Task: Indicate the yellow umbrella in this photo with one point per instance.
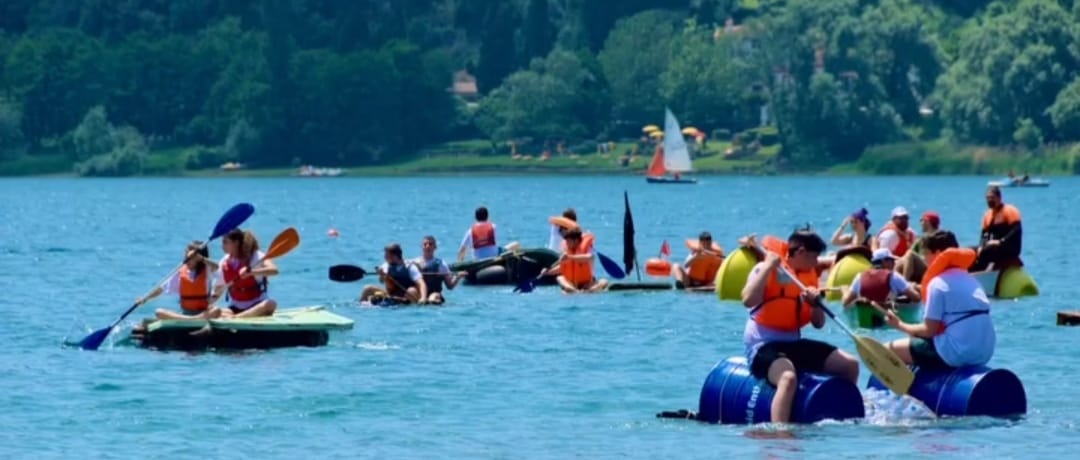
(650, 128)
(656, 134)
(690, 131)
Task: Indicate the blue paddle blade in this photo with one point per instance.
(95, 339)
(232, 218)
(611, 267)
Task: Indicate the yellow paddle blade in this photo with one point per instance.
(286, 241)
(884, 364)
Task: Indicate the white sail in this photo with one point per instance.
(676, 155)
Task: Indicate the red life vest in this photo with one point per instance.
(194, 293)
(483, 235)
(243, 289)
(907, 238)
(874, 284)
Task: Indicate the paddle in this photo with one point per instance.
(346, 273)
(611, 267)
(232, 218)
(881, 361)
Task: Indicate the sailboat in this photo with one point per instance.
(672, 156)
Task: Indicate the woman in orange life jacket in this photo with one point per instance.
(779, 309)
(699, 270)
(244, 267)
(575, 265)
(956, 329)
(191, 284)
(879, 286)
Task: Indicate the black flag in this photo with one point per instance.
(629, 251)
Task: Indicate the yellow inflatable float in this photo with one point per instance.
(731, 277)
(1010, 283)
(850, 262)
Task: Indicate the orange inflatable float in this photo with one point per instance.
(658, 267)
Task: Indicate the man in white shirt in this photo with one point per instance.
(896, 236)
(956, 329)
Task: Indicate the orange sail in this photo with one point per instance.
(656, 168)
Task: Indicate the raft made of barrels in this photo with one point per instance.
(850, 262)
(968, 390)
(863, 315)
(1010, 283)
(731, 277)
(640, 286)
(509, 268)
(294, 327)
(1068, 318)
(731, 395)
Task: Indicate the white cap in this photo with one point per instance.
(881, 254)
(899, 211)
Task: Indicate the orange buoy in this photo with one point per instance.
(332, 233)
(658, 267)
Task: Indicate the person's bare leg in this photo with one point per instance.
(902, 348)
(566, 285)
(680, 275)
(599, 285)
(782, 376)
(841, 363)
(264, 308)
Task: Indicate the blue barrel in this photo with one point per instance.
(731, 395)
(969, 390)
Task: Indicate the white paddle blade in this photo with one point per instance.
(885, 365)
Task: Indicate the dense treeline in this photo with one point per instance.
(277, 82)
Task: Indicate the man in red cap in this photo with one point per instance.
(913, 265)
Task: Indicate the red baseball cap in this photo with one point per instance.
(932, 217)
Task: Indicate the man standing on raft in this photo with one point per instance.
(1000, 244)
(699, 270)
(956, 329)
(481, 236)
(779, 309)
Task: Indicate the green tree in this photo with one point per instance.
(634, 57)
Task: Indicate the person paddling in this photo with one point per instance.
(880, 285)
(956, 329)
(778, 310)
(575, 265)
(1002, 234)
(480, 236)
(402, 281)
(435, 271)
(699, 269)
(191, 284)
(244, 267)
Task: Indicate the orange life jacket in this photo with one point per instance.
(243, 289)
(907, 238)
(782, 308)
(874, 284)
(960, 258)
(1006, 215)
(483, 235)
(578, 272)
(704, 266)
(194, 292)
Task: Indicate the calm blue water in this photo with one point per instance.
(494, 374)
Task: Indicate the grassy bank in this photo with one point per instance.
(936, 157)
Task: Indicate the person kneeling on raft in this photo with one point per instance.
(435, 271)
(699, 270)
(956, 329)
(401, 281)
(779, 309)
(879, 285)
(575, 265)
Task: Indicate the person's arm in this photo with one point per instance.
(900, 286)
(818, 317)
(889, 239)
(266, 268)
(421, 286)
(753, 292)
(935, 311)
(465, 243)
(838, 237)
(154, 293)
(553, 268)
(851, 293)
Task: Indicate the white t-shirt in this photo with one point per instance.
(414, 273)
(480, 253)
(949, 298)
(220, 279)
(889, 239)
(555, 240)
(897, 284)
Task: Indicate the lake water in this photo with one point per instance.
(494, 374)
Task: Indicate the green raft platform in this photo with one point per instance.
(294, 327)
(865, 316)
